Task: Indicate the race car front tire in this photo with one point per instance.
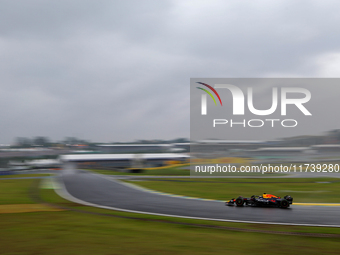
(239, 201)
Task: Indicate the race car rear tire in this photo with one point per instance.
(284, 203)
(239, 201)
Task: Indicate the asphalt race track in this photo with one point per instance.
(93, 189)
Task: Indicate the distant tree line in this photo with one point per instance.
(31, 142)
(42, 141)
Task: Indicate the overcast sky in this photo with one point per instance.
(120, 70)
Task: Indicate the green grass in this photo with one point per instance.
(301, 189)
(15, 191)
(22, 175)
(70, 232)
(73, 233)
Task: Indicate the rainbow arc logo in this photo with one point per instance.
(209, 93)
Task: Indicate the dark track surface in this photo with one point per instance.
(98, 190)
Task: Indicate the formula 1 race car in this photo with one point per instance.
(264, 200)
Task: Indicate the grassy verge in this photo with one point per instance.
(22, 175)
(71, 232)
(15, 191)
(319, 190)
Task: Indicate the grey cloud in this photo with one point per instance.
(120, 70)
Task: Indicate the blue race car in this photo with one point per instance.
(267, 200)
